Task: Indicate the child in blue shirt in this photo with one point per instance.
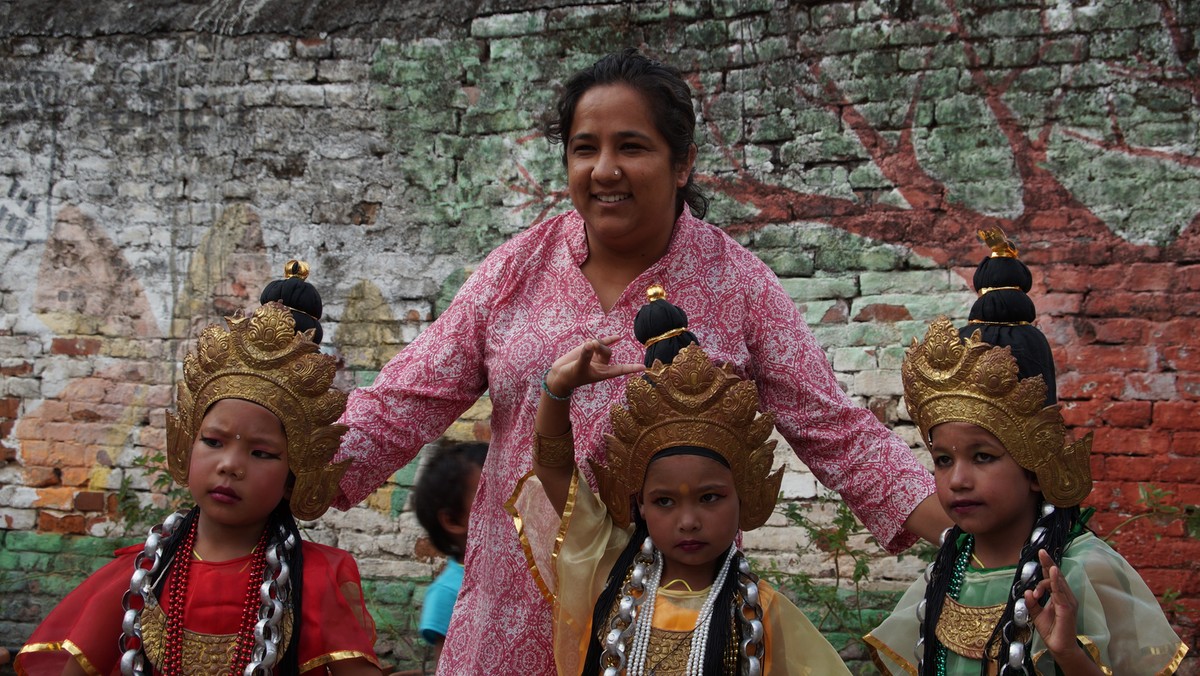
(443, 497)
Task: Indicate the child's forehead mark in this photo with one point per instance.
(685, 490)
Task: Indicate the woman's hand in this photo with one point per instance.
(1056, 621)
(586, 364)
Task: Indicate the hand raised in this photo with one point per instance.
(587, 363)
(1056, 621)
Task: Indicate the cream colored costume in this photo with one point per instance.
(571, 558)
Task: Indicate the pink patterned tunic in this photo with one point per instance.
(526, 305)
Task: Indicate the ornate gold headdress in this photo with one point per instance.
(263, 360)
(691, 403)
(949, 380)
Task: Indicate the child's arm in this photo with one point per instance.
(1056, 621)
(554, 450)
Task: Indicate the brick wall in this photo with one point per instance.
(160, 164)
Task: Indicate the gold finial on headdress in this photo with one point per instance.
(948, 380)
(691, 403)
(655, 292)
(263, 360)
(1000, 245)
(295, 268)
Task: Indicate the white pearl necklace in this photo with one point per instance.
(641, 635)
(700, 631)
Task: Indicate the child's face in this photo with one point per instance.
(979, 485)
(691, 508)
(458, 529)
(239, 467)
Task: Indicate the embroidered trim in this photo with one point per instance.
(877, 648)
(335, 657)
(66, 646)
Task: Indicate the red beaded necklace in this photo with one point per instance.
(173, 641)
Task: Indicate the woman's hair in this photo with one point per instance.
(668, 97)
(441, 486)
(280, 523)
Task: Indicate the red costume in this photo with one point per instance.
(335, 624)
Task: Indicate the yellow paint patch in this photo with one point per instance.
(98, 480)
(381, 500)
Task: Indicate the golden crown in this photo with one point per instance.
(690, 403)
(263, 360)
(949, 380)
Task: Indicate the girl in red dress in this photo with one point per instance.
(228, 586)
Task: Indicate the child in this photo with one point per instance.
(1013, 488)
(646, 577)
(229, 587)
(443, 497)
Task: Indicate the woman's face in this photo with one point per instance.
(620, 174)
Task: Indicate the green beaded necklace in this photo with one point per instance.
(966, 545)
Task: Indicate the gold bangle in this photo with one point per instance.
(554, 451)
(663, 336)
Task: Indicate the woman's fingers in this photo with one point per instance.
(589, 362)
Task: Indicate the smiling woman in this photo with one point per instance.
(627, 125)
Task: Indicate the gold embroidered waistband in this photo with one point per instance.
(965, 630)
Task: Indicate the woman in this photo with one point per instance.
(627, 126)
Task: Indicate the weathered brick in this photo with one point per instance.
(1129, 304)
(1150, 276)
(61, 523)
(75, 346)
(9, 406)
(1127, 441)
(1177, 415)
(1096, 413)
(1181, 358)
(89, 501)
(1126, 331)
(1101, 358)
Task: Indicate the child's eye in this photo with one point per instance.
(984, 458)
(941, 461)
(710, 497)
(269, 455)
(209, 441)
(663, 502)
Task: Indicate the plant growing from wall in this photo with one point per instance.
(138, 510)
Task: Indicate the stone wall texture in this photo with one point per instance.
(159, 161)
